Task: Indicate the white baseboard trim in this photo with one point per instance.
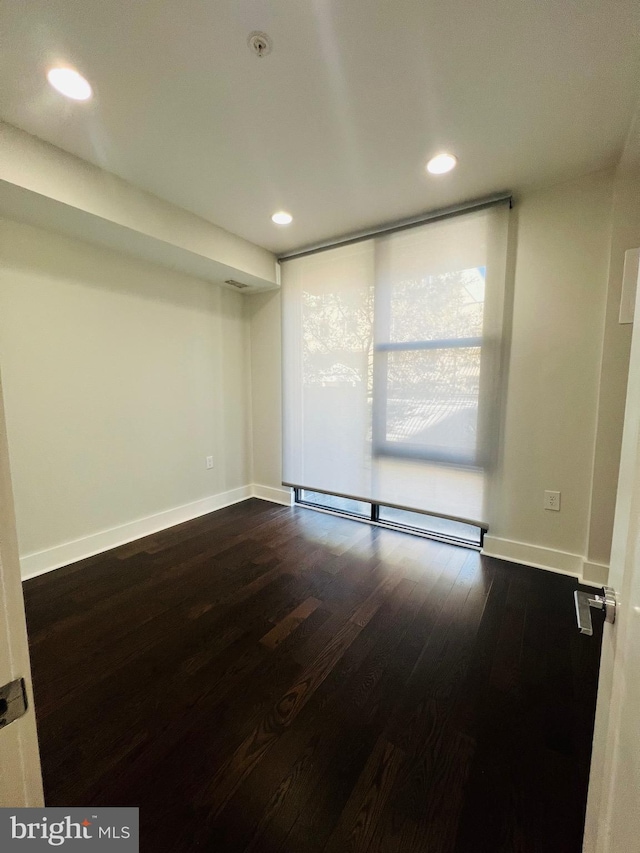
(549, 559)
(276, 496)
(533, 555)
(40, 562)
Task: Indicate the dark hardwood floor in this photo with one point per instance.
(273, 679)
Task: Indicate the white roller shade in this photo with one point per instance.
(391, 353)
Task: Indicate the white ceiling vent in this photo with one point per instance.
(239, 284)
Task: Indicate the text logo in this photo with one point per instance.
(107, 829)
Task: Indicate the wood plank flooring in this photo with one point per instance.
(278, 680)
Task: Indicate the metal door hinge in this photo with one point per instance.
(586, 600)
(13, 701)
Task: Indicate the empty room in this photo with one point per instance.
(320, 426)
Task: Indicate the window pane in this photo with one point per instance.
(432, 524)
(337, 503)
(432, 401)
(436, 307)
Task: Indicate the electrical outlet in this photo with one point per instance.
(552, 501)
(209, 461)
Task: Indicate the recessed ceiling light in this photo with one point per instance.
(441, 163)
(282, 218)
(69, 83)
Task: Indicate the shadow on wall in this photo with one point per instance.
(95, 266)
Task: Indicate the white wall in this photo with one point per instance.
(48, 187)
(266, 389)
(625, 234)
(560, 288)
(120, 377)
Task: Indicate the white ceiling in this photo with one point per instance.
(337, 123)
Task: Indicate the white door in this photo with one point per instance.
(613, 807)
(20, 777)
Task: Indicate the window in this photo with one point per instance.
(334, 502)
(445, 529)
(391, 377)
(429, 359)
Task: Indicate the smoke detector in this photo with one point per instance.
(260, 44)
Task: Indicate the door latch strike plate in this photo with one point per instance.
(13, 701)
